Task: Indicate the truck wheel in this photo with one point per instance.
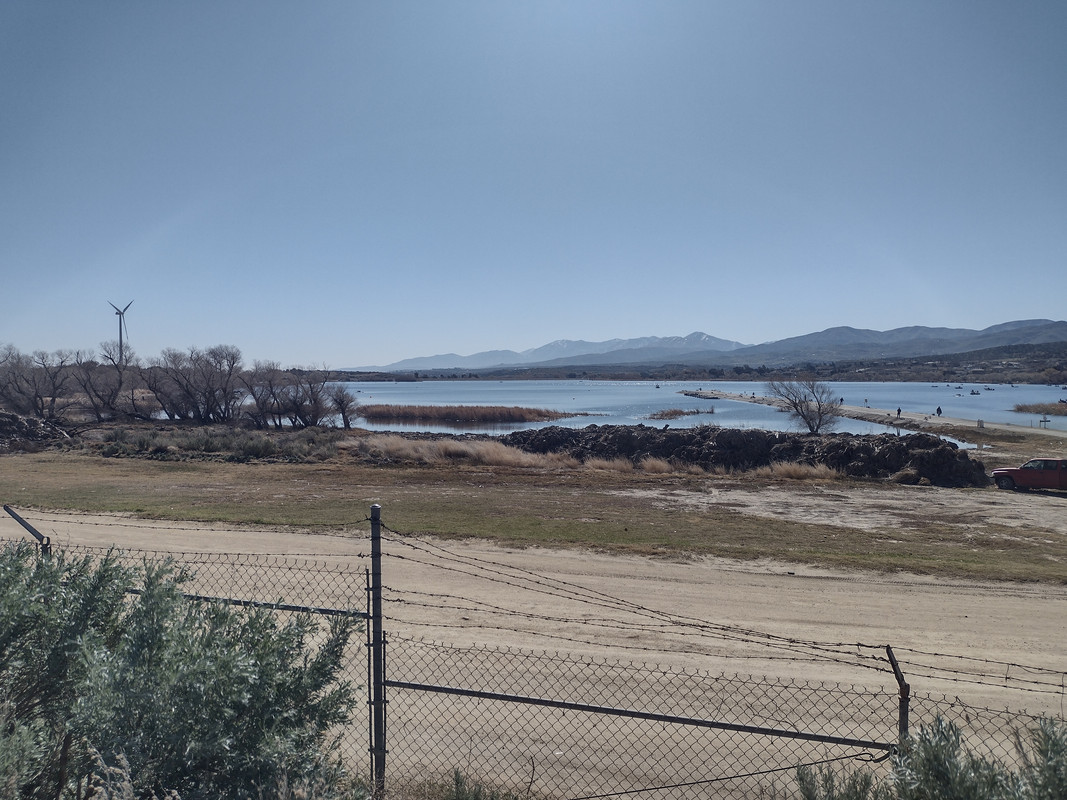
(1004, 482)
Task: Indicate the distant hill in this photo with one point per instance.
(565, 351)
(700, 349)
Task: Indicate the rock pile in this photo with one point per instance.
(26, 433)
(914, 458)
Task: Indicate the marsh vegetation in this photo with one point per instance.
(452, 415)
(1055, 409)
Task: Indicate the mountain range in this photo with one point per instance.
(832, 344)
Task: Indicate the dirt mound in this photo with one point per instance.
(906, 459)
(26, 433)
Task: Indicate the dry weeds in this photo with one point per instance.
(480, 488)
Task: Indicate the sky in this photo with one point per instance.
(348, 183)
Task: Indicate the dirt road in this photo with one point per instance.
(632, 607)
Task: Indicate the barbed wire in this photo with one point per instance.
(467, 625)
(1061, 674)
(816, 651)
(62, 540)
(646, 668)
(317, 561)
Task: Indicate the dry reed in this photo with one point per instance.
(675, 413)
(795, 471)
(656, 466)
(1055, 409)
(458, 414)
(394, 448)
(609, 464)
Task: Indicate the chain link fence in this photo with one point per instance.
(615, 728)
(556, 725)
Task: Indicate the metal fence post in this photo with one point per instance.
(905, 698)
(377, 654)
(44, 542)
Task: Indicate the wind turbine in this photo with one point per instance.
(122, 327)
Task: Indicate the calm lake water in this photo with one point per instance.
(631, 402)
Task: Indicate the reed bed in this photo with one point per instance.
(675, 413)
(1052, 409)
(394, 448)
(459, 414)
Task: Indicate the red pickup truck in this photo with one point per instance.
(1037, 473)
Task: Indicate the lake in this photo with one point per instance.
(631, 402)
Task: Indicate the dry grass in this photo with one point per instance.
(656, 466)
(1053, 409)
(797, 472)
(393, 448)
(602, 506)
(675, 413)
(621, 465)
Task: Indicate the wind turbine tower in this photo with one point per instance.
(122, 328)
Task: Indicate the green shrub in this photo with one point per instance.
(199, 698)
(936, 765)
(1045, 762)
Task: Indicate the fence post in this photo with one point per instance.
(43, 541)
(377, 654)
(905, 698)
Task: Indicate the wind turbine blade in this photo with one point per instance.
(116, 307)
(127, 306)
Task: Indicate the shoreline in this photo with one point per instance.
(955, 427)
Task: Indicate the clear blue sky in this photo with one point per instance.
(351, 183)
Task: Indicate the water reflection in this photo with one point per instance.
(633, 402)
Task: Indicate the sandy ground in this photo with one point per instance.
(633, 607)
(994, 645)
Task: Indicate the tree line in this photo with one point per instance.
(204, 386)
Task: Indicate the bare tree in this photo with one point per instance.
(265, 384)
(100, 386)
(202, 385)
(16, 381)
(309, 405)
(44, 381)
(131, 398)
(810, 402)
(343, 403)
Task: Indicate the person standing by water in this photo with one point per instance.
(938, 412)
(898, 413)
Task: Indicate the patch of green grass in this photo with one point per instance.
(516, 506)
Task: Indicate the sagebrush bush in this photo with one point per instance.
(936, 765)
(199, 698)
